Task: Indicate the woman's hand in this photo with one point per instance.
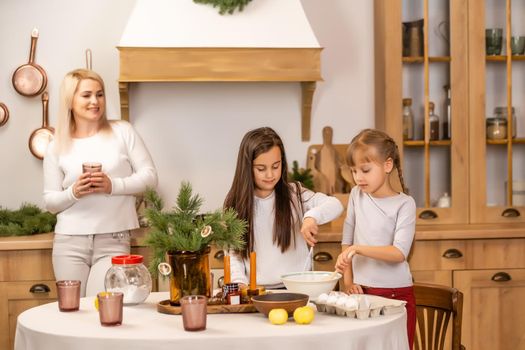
(309, 230)
(345, 259)
(82, 187)
(355, 289)
(100, 183)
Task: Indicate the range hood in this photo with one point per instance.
(181, 41)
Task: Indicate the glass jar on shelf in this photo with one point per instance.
(408, 119)
(129, 276)
(501, 112)
(496, 128)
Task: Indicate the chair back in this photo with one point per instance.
(436, 306)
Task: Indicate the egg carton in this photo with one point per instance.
(361, 306)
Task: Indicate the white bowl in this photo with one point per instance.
(313, 283)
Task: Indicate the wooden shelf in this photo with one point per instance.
(421, 143)
(430, 59)
(504, 58)
(504, 141)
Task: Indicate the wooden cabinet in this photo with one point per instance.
(431, 168)
(493, 308)
(485, 177)
(498, 176)
(26, 280)
(491, 275)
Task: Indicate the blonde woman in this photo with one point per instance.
(95, 210)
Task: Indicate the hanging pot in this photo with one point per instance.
(89, 59)
(30, 79)
(4, 114)
(41, 137)
(189, 275)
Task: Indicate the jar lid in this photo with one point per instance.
(502, 110)
(407, 102)
(127, 259)
(496, 121)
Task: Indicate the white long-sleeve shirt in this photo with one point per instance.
(127, 163)
(271, 262)
(380, 222)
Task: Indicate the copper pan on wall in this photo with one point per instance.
(41, 137)
(30, 79)
(4, 114)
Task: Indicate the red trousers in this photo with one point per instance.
(406, 294)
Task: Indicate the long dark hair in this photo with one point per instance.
(382, 143)
(241, 194)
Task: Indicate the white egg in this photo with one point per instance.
(332, 300)
(341, 301)
(351, 304)
(321, 299)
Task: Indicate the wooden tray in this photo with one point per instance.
(165, 307)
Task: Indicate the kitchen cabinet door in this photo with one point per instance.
(431, 167)
(496, 80)
(493, 308)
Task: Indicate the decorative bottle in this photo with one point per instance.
(408, 120)
(447, 126)
(434, 122)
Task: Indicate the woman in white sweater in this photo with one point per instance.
(95, 210)
(282, 217)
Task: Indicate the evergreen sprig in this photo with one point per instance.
(225, 6)
(27, 220)
(302, 175)
(183, 229)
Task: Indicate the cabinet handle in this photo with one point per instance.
(219, 255)
(428, 215)
(323, 257)
(510, 213)
(501, 277)
(452, 253)
(39, 288)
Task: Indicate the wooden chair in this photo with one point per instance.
(435, 306)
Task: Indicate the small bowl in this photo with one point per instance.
(288, 301)
(313, 283)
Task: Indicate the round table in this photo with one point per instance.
(44, 327)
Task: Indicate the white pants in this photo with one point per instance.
(87, 258)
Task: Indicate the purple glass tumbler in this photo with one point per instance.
(68, 295)
(110, 307)
(194, 311)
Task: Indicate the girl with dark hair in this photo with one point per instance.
(380, 225)
(282, 216)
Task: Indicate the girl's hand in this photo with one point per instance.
(100, 183)
(345, 259)
(355, 289)
(309, 230)
(82, 187)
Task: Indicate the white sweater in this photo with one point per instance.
(127, 163)
(380, 222)
(271, 263)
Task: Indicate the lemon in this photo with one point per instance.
(278, 316)
(303, 315)
(102, 294)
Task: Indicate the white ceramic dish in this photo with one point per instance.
(313, 283)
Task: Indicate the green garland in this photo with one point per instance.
(27, 220)
(228, 6)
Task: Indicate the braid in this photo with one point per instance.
(397, 164)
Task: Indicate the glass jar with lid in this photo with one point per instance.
(501, 112)
(129, 276)
(496, 128)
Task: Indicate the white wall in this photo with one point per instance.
(193, 130)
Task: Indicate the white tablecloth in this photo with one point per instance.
(45, 328)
